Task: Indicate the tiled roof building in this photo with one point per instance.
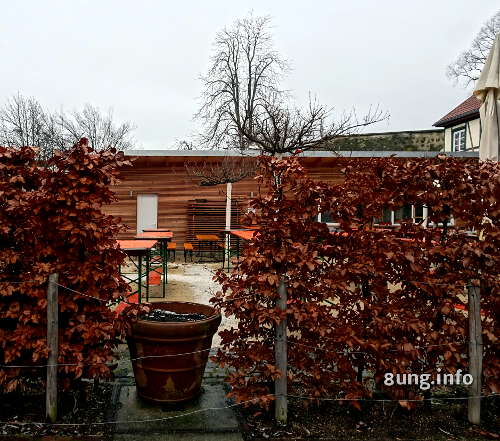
(465, 111)
(462, 126)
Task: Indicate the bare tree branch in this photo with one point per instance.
(244, 107)
(244, 70)
(185, 144)
(24, 122)
(280, 128)
(99, 128)
(229, 170)
(467, 67)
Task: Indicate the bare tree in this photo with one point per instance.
(467, 67)
(24, 122)
(244, 106)
(99, 128)
(245, 70)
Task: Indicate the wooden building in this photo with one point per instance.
(158, 191)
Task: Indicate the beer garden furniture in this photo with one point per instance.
(171, 246)
(162, 238)
(141, 249)
(239, 234)
(207, 243)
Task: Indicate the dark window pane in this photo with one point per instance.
(386, 216)
(407, 214)
(398, 215)
(326, 217)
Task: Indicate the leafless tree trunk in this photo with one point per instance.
(467, 67)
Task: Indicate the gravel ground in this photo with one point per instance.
(191, 282)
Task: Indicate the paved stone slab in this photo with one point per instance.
(167, 418)
(177, 436)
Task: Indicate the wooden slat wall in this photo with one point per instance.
(209, 217)
(167, 177)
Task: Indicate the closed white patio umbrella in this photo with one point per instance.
(488, 92)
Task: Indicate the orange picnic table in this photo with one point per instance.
(142, 250)
(163, 237)
(243, 234)
(156, 235)
(207, 243)
(240, 234)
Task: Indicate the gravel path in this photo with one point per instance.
(192, 282)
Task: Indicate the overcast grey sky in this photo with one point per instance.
(143, 58)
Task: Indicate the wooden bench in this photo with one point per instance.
(188, 249)
(171, 247)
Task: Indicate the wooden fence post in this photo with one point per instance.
(475, 354)
(53, 345)
(280, 384)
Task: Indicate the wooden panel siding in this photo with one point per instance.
(167, 177)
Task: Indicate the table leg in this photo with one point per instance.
(148, 269)
(139, 280)
(200, 245)
(164, 266)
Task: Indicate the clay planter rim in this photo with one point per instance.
(153, 323)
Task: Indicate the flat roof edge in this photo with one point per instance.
(307, 154)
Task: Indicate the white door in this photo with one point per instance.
(147, 211)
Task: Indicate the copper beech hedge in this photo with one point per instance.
(51, 220)
(366, 300)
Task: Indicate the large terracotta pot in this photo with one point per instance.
(172, 378)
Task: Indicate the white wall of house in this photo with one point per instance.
(472, 135)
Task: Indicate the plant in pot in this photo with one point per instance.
(169, 345)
